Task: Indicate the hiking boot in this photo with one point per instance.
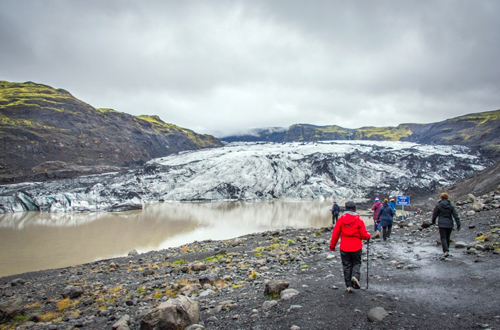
(446, 254)
(376, 234)
(355, 283)
(350, 289)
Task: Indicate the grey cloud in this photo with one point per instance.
(225, 66)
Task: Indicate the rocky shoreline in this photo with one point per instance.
(284, 279)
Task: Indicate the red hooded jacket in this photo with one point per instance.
(351, 230)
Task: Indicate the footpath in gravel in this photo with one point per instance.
(286, 279)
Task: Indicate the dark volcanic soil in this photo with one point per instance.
(406, 277)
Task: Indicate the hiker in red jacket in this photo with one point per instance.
(351, 230)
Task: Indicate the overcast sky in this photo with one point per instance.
(221, 67)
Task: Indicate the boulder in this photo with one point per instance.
(72, 292)
(123, 323)
(199, 267)
(10, 308)
(133, 253)
(376, 314)
(288, 294)
(17, 282)
(426, 224)
(477, 206)
(208, 279)
(274, 287)
(173, 314)
(195, 327)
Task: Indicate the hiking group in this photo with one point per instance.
(351, 231)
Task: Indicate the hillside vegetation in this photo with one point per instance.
(48, 132)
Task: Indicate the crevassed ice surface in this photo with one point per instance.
(258, 171)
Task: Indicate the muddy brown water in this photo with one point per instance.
(32, 241)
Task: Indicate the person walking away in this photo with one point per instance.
(445, 212)
(376, 223)
(351, 230)
(392, 204)
(385, 216)
(335, 212)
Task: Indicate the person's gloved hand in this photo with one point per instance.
(332, 248)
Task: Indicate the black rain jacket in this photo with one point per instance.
(445, 212)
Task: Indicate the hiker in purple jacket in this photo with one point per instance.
(376, 223)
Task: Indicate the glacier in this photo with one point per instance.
(340, 170)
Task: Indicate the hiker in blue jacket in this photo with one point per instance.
(335, 212)
(392, 204)
(385, 215)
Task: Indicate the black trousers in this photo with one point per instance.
(335, 217)
(445, 234)
(386, 232)
(351, 262)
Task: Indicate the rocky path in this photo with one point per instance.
(276, 280)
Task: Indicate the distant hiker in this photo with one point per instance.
(335, 212)
(392, 204)
(351, 230)
(385, 216)
(445, 212)
(376, 223)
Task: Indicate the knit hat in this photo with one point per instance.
(376, 199)
(350, 206)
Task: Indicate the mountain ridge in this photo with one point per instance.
(48, 133)
(478, 131)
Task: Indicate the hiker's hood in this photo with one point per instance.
(350, 217)
(444, 203)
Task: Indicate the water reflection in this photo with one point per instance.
(33, 241)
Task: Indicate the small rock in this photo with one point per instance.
(268, 304)
(148, 272)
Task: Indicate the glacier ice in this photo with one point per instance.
(257, 171)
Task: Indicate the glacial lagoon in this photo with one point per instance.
(32, 241)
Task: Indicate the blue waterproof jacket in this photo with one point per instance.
(385, 215)
(393, 206)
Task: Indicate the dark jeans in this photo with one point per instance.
(351, 262)
(386, 232)
(335, 217)
(445, 234)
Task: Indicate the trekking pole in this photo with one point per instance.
(367, 261)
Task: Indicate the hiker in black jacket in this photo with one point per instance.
(445, 212)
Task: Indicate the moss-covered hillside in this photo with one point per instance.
(42, 125)
(479, 131)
